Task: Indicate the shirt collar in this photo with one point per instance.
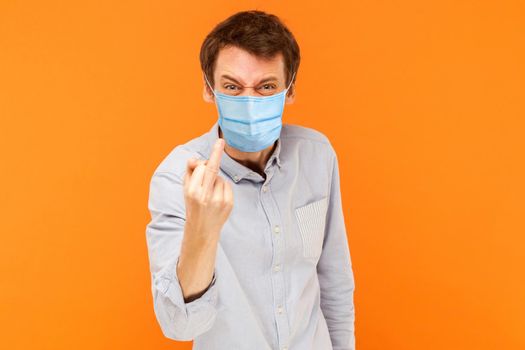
(230, 166)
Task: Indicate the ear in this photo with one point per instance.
(207, 94)
(290, 95)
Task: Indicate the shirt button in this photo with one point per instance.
(235, 177)
(277, 268)
(264, 188)
(280, 310)
(277, 229)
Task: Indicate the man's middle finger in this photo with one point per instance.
(213, 164)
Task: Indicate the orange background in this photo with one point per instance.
(423, 101)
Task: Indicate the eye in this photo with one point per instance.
(231, 87)
(267, 87)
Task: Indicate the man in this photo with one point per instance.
(247, 241)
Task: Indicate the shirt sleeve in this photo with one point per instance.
(179, 320)
(335, 273)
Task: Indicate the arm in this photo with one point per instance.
(335, 273)
(180, 318)
(196, 265)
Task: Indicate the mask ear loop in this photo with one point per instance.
(291, 82)
(206, 78)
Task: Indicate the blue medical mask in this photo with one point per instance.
(250, 123)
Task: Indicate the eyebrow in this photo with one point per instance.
(270, 78)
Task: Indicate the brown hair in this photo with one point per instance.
(257, 32)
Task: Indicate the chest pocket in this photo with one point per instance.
(311, 219)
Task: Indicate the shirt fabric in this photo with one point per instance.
(283, 276)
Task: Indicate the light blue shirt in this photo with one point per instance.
(283, 276)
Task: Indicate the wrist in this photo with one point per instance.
(199, 241)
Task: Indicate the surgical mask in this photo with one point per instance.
(250, 123)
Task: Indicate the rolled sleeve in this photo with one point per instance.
(179, 320)
(335, 273)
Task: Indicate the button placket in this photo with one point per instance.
(272, 213)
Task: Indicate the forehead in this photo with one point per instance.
(246, 67)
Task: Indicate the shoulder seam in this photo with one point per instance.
(307, 138)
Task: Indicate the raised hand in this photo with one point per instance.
(208, 197)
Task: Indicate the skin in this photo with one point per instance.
(208, 197)
(209, 201)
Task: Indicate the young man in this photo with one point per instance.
(247, 241)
